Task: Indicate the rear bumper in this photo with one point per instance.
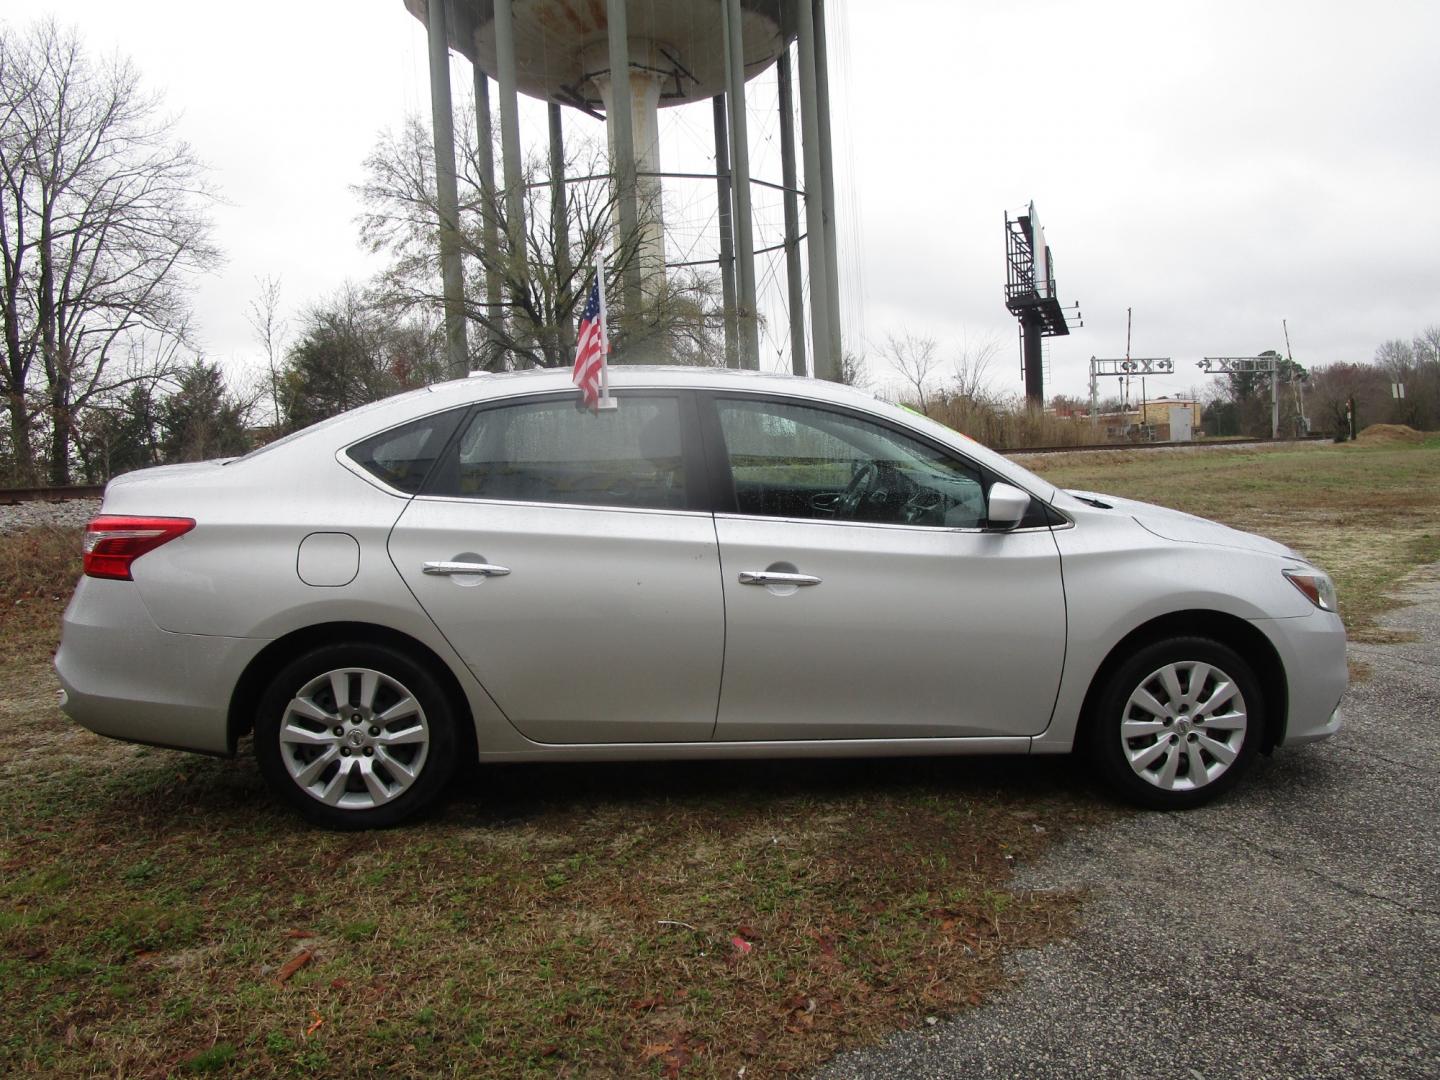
(125, 678)
(1312, 650)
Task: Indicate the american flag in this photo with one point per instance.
(592, 346)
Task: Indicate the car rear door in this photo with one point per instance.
(897, 617)
(561, 554)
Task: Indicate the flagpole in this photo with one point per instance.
(605, 401)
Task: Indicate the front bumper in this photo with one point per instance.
(1312, 651)
(125, 678)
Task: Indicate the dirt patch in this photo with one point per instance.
(1391, 435)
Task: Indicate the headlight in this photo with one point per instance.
(1317, 587)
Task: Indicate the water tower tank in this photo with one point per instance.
(677, 56)
(560, 45)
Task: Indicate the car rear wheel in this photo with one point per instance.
(356, 736)
(1178, 723)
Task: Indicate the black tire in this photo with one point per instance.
(376, 790)
(1135, 767)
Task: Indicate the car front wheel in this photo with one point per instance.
(1177, 723)
(356, 736)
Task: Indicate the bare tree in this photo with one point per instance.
(104, 216)
(271, 329)
(1336, 386)
(914, 358)
(972, 366)
(1427, 346)
(853, 370)
(544, 285)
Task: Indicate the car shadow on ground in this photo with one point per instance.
(495, 794)
(179, 788)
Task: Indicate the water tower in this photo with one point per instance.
(672, 53)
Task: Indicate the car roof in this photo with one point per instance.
(499, 384)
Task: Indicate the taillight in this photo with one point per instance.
(113, 542)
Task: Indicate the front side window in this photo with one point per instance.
(553, 452)
(797, 461)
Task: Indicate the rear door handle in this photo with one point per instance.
(445, 569)
(775, 577)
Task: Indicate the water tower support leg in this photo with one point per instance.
(622, 147)
(510, 141)
(560, 230)
(792, 215)
(740, 168)
(727, 242)
(489, 232)
(443, 122)
(827, 362)
(827, 179)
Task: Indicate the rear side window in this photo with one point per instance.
(403, 457)
(554, 452)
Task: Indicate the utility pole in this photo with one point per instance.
(1299, 384)
(1125, 405)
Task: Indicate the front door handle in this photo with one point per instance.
(445, 569)
(776, 577)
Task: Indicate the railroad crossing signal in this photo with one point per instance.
(1124, 367)
(1259, 365)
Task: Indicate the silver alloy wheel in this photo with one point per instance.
(1183, 726)
(354, 738)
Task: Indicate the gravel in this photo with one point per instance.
(26, 515)
(1290, 930)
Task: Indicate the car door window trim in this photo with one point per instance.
(723, 483)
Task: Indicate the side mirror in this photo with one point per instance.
(1007, 506)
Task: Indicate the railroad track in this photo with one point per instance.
(12, 496)
(1231, 443)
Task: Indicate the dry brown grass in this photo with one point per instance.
(572, 921)
(567, 920)
(38, 571)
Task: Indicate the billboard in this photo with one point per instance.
(1042, 256)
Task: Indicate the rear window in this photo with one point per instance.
(403, 457)
(553, 452)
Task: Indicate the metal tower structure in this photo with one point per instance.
(621, 62)
(1246, 365)
(1124, 367)
(1030, 296)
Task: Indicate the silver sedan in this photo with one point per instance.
(724, 566)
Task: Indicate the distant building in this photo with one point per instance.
(1162, 419)
(1157, 411)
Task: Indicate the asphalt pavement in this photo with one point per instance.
(1290, 930)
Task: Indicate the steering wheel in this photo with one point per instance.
(924, 507)
(859, 486)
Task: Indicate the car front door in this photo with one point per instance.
(558, 552)
(864, 597)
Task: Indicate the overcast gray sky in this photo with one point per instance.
(1217, 165)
